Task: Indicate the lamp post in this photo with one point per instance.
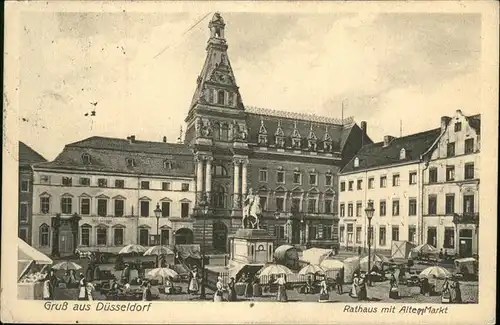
(204, 209)
(277, 226)
(157, 212)
(369, 214)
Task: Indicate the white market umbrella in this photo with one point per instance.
(132, 248)
(66, 265)
(426, 249)
(332, 264)
(311, 269)
(435, 271)
(162, 272)
(159, 250)
(275, 269)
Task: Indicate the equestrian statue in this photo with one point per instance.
(252, 211)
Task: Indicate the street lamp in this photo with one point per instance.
(204, 208)
(277, 216)
(369, 214)
(157, 212)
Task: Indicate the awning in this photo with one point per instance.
(236, 268)
(27, 253)
(285, 252)
(185, 251)
(316, 255)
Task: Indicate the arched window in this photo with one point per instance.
(220, 97)
(219, 197)
(44, 235)
(402, 154)
(356, 162)
(219, 170)
(86, 159)
(217, 32)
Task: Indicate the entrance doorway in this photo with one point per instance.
(184, 236)
(465, 243)
(219, 234)
(65, 243)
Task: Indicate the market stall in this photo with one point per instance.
(31, 271)
(351, 265)
(288, 256)
(401, 249)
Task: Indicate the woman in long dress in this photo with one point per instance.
(445, 292)
(90, 291)
(219, 291)
(355, 286)
(231, 290)
(323, 294)
(362, 294)
(393, 288)
(456, 292)
(281, 282)
(47, 290)
(193, 281)
(82, 287)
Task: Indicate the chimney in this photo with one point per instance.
(363, 127)
(444, 122)
(165, 139)
(387, 140)
(131, 138)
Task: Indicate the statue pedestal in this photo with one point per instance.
(251, 246)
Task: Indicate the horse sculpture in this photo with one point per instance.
(251, 209)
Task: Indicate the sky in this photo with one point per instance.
(389, 69)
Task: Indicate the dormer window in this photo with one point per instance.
(220, 97)
(296, 143)
(312, 139)
(262, 133)
(130, 162)
(167, 164)
(356, 162)
(327, 146)
(296, 138)
(402, 154)
(262, 139)
(312, 145)
(86, 159)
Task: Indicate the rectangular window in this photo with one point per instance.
(85, 236)
(313, 179)
(297, 178)
(119, 183)
(263, 175)
(413, 178)
(431, 236)
(263, 203)
(102, 207)
(468, 203)
(412, 207)
(165, 209)
(342, 209)
(469, 171)
(66, 205)
(328, 206)
(44, 236)
(449, 237)
(458, 127)
(412, 234)
(381, 236)
(450, 149)
(144, 208)
(44, 204)
(44, 179)
(432, 204)
(102, 182)
(84, 181)
(144, 237)
(359, 184)
(295, 205)
(165, 186)
(469, 145)
(23, 212)
(67, 181)
(342, 186)
(395, 180)
(383, 208)
(395, 207)
(433, 175)
(85, 206)
(350, 232)
(118, 236)
(328, 180)
(350, 209)
(280, 177)
(341, 234)
(102, 236)
(185, 187)
(383, 181)
(119, 208)
(450, 204)
(351, 185)
(145, 185)
(185, 210)
(280, 204)
(359, 206)
(358, 234)
(395, 233)
(371, 183)
(25, 186)
(450, 173)
(281, 230)
(165, 234)
(327, 232)
(311, 206)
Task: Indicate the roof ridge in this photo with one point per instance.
(418, 134)
(298, 116)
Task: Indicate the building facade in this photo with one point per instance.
(390, 174)
(27, 157)
(451, 186)
(290, 160)
(101, 193)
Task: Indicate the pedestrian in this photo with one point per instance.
(219, 290)
(281, 282)
(309, 285)
(82, 286)
(456, 296)
(146, 293)
(231, 290)
(445, 292)
(362, 294)
(339, 282)
(169, 286)
(441, 254)
(90, 291)
(47, 290)
(359, 250)
(355, 286)
(248, 286)
(323, 294)
(193, 281)
(393, 287)
(257, 290)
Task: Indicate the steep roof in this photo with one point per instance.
(475, 122)
(28, 156)
(376, 155)
(111, 155)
